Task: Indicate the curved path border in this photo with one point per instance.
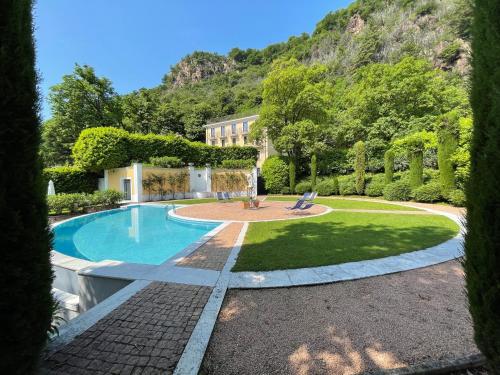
(443, 252)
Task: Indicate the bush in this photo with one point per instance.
(238, 164)
(456, 198)
(360, 166)
(347, 185)
(105, 198)
(286, 190)
(101, 148)
(107, 148)
(375, 187)
(71, 179)
(397, 191)
(275, 173)
(431, 175)
(389, 166)
(428, 193)
(303, 187)
(329, 186)
(166, 161)
(73, 203)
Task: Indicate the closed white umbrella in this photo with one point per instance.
(51, 190)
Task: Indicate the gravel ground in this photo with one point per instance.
(344, 328)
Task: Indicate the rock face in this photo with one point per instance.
(196, 67)
(355, 25)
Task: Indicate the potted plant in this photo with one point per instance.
(246, 203)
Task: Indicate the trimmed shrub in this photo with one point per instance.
(397, 191)
(375, 187)
(166, 161)
(70, 179)
(74, 203)
(303, 187)
(388, 166)
(26, 273)
(416, 169)
(285, 191)
(360, 166)
(431, 175)
(121, 148)
(329, 186)
(314, 170)
(101, 148)
(482, 238)
(447, 145)
(428, 193)
(238, 164)
(291, 174)
(457, 198)
(347, 185)
(275, 173)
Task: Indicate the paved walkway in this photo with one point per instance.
(146, 334)
(234, 211)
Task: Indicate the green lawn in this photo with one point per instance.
(338, 237)
(350, 204)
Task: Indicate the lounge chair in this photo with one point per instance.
(219, 195)
(297, 205)
(312, 196)
(225, 196)
(307, 206)
(305, 197)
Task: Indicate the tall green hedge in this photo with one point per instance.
(482, 239)
(71, 179)
(26, 274)
(106, 148)
(389, 166)
(448, 133)
(360, 166)
(416, 169)
(275, 173)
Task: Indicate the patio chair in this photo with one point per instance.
(305, 197)
(307, 206)
(297, 205)
(225, 196)
(312, 196)
(219, 195)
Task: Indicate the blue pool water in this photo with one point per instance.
(136, 234)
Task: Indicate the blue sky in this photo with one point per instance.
(134, 42)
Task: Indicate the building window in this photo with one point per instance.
(234, 141)
(212, 132)
(245, 140)
(222, 131)
(233, 128)
(222, 142)
(213, 142)
(245, 126)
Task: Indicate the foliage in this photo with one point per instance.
(26, 273)
(397, 191)
(238, 164)
(76, 202)
(360, 166)
(303, 187)
(82, 100)
(347, 185)
(166, 161)
(229, 181)
(70, 179)
(375, 185)
(482, 257)
(57, 319)
(388, 166)
(428, 193)
(292, 174)
(461, 156)
(328, 186)
(314, 170)
(457, 198)
(448, 134)
(101, 148)
(275, 173)
(416, 169)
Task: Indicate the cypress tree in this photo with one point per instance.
(291, 174)
(447, 144)
(314, 170)
(416, 168)
(360, 166)
(482, 239)
(388, 166)
(25, 281)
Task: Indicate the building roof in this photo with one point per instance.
(230, 121)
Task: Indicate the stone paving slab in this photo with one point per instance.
(214, 253)
(145, 335)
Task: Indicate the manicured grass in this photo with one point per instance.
(338, 237)
(350, 204)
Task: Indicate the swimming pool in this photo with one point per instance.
(135, 234)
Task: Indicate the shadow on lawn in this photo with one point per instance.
(308, 244)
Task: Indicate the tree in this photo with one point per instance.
(388, 166)
(482, 238)
(294, 99)
(82, 100)
(26, 275)
(448, 133)
(360, 166)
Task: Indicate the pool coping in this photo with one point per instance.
(445, 251)
(166, 271)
